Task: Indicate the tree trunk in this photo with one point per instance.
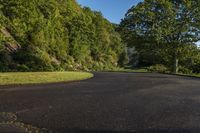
(175, 64)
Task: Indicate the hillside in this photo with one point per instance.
(49, 35)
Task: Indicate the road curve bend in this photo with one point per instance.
(108, 103)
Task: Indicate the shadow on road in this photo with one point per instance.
(140, 131)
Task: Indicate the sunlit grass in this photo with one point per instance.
(190, 75)
(196, 75)
(135, 70)
(41, 77)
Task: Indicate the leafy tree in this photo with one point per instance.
(166, 24)
(57, 35)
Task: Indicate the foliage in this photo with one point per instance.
(184, 70)
(158, 68)
(57, 35)
(196, 68)
(162, 29)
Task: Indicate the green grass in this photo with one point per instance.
(141, 70)
(195, 75)
(41, 77)
(135, 70)
(190, 75)
(198, 75)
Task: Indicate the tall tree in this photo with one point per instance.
(170, 23)
(54, 35)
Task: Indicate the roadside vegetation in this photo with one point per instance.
(54, 35)
(41, 77)
(138, 70)
(158, 35)
(162, 35)
(197, 75)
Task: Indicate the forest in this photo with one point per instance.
(60, 35)
(54, 35)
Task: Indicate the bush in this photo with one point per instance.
(196, 68)
(184, 70)
(158, 68)
(3, 67)
(22, 68)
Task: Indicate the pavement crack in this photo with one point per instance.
(22, 111)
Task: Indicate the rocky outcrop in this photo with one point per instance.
(11, 45)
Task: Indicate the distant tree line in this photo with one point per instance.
(50, 35)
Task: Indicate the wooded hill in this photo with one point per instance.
(49, 35)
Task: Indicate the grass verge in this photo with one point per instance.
(136, 70)
(197, 75)
(41, 77)
(192, 75)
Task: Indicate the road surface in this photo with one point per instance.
(107, 103)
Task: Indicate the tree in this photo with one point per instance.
(57, 35)
(169, 24)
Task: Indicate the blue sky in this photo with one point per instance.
(113, 10)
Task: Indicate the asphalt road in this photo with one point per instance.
(107, 103)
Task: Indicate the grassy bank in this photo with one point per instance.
(188, 75)
(41, 77)
(135, 70)
(139, 70)
(197, 75)
(143, 70)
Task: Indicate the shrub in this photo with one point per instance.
(158, 68)
(184, 70)
(3, 67)
(22, 68)
(196, 68)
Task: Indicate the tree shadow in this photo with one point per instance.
(137, 131)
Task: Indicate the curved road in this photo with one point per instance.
(108, 103)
